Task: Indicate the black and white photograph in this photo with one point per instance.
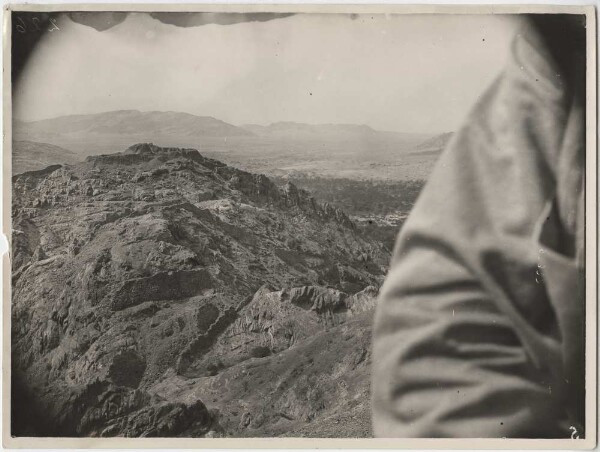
(351, 223)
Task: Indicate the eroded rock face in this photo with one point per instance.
(172, 285)
(316, 298)
(142, 279)
(274, 321)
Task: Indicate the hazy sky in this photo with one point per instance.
(418, 73)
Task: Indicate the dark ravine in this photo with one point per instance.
(157, 292)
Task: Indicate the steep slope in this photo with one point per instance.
(30, 156)
(145, 280)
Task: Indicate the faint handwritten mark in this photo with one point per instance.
(574, 434)
(34, 25)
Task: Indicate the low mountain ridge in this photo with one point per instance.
(126, 124)
(296, 130)
(435, 144)
(291, 127)
(30, 155)
(143, 280)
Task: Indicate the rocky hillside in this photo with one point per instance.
(157, 292)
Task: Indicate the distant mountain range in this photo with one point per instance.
(337, 131)
(132, 122)
(340, 150)
(176, 124)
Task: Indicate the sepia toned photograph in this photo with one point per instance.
(343, 223)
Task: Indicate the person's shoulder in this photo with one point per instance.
(549, 50)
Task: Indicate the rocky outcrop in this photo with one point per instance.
(160, 419)
(202, 342)
(362, 301)
(315, 298)
(272, 321)
(172, 285)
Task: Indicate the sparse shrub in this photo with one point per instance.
(212, 369)
(260, 351)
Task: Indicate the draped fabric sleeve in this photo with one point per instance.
(466, 342)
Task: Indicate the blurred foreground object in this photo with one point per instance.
(480, 329)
